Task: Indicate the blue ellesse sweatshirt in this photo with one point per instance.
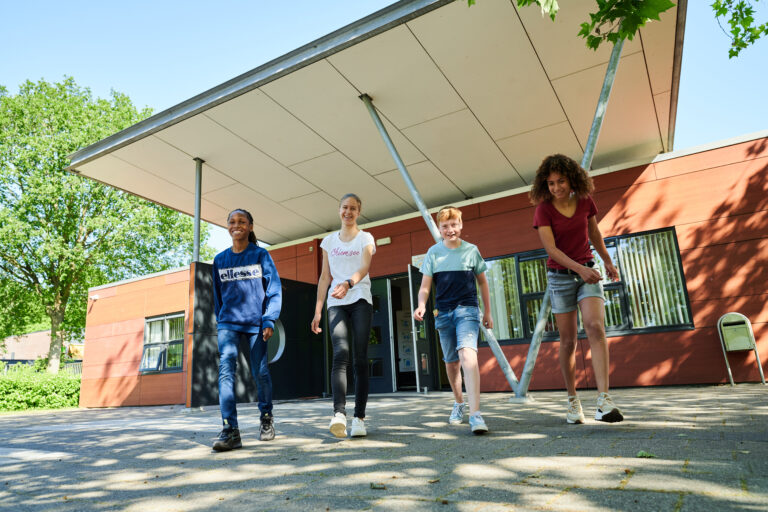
(246, 289)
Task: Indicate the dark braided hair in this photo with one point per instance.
(251, 235)
(580, 181)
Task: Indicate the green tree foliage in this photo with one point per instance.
(59, 233)
(616, 20)
(740, 16)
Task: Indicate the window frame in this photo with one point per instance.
(161, 365)
(626, 327)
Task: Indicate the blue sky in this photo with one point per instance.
(161, 53)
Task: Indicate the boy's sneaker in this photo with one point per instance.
(457, 414)
(338, 426)
(358, 428)
(229, 439)
(267, 432)
(606, 410)
(477, 424)
(575, 413)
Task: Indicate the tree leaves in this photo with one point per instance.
(60, 233)
(740, 17)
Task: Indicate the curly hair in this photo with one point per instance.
(580, 181)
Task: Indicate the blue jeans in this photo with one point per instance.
(458, 328)
(228, 347)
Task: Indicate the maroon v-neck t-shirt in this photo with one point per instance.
(571, 233)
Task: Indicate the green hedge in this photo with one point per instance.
(23, 388)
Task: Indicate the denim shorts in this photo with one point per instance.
(567, 290)
(458, 328)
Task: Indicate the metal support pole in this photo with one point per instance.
(198, 196)
(586, 163)
(401, 166)
(489, 337)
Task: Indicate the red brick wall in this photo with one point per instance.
(114, 340)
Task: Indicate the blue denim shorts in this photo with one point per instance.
(458, 328)
(567, 290)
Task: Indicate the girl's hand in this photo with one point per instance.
(487, 320)
(267, 333)
(590, 275)
(340, 290)
(418, 313)
(613, 273)
(316, 323)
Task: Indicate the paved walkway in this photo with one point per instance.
(709, 447)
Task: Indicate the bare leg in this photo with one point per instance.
(592, 314)
(468, 358)
(454, 378)
(566, 324)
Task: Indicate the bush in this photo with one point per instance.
(24, 388)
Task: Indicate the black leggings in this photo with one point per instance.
(350, 322)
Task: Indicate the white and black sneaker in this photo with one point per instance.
(606, 410)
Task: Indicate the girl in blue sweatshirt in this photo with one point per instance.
(247, 296)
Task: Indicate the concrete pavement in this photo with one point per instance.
(709, 447)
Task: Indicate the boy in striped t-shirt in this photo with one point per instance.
(455, 265)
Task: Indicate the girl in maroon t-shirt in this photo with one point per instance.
(565, 219)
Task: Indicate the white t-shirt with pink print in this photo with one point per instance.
(344, 259)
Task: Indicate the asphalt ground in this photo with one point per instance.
(705, 447)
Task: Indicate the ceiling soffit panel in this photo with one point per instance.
(630, 129)
(398, 74)
(658, 44)
(215, 213)
(124, 176)
(464, 152)
(435, 189)
(264, 124)
(161, 159)
(338, 175)
(561, 50)
(661, 101)
(231, 155)
(526, 150)
(319, 206)
(266, 213)
(482, 51)
(320, 96)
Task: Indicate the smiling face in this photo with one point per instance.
(559, 186)
(349, 211)
(450, 229)
(239, 226)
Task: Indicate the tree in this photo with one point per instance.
(616, 20)
(59, 233)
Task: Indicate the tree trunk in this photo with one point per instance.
(54, 352)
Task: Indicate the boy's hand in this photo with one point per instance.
(487, 320)
(418, 313)
(267, 333)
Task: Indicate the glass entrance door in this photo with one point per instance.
(424, 339)
(380, 341)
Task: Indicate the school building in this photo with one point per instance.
(473, 99)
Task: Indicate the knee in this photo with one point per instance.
(595, 329)
(567, 344)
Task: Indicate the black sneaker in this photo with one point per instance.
(267, 432)
(229, 439)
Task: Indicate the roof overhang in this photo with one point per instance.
(472, 97)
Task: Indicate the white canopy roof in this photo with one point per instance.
(473, 98)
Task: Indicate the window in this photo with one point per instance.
(650, 295)
(163, 343)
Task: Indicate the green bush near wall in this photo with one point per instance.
(23, 388)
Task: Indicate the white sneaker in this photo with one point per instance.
(477, 424)
(338, 426)
(358, 428)
(607, 410)
(575, 414)
(457, 414)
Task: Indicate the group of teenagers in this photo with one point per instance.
(248, 299)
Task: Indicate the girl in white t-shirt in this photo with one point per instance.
(347, 256)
